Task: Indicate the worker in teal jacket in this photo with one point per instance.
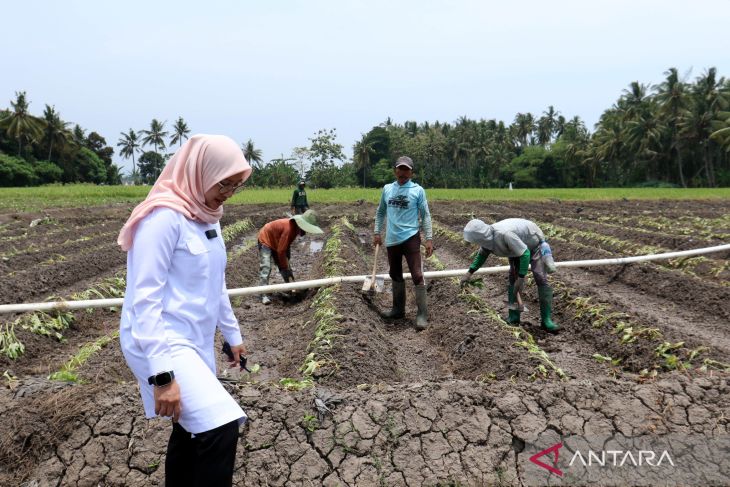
(404, 204)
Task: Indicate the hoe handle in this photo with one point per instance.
(375, 263)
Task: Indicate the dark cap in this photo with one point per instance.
(404, 161)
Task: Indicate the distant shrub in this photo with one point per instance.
(47, 172)
(15, 171)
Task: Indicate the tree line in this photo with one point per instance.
(41, 150)
(675, 133)
(149, 165)
(322, 163)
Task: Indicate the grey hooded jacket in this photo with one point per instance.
(506, 238)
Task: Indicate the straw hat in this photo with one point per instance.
(308, 222)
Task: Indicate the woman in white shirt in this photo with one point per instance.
(176, 298)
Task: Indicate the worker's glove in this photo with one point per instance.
(519, 285)
(465, 280)
(287, 275)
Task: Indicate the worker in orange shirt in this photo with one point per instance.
(274, 243)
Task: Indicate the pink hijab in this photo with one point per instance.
(197, 166)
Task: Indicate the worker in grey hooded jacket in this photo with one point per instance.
(521, 241)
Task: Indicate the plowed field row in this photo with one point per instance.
(642, 349)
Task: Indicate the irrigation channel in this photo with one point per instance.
(643, 349)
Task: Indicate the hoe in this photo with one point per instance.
(373, 284)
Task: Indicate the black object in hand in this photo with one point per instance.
(287, 275)
(229, 353)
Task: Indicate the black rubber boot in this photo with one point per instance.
(399, 302)
(421, 300)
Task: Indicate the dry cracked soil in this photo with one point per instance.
(643, 352)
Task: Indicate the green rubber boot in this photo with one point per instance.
(421, 299)
(513, 317)
(546, 308)
(399, 302)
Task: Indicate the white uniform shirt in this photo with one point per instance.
(176, 297)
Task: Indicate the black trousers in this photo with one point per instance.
(411, 250)
(204, 459)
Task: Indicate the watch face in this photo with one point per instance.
(163, 379)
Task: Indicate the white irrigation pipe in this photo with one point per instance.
(247, 291)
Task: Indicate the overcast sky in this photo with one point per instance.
(277, 71)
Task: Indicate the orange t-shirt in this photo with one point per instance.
(278, 235)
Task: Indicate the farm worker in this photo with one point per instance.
(524, 244)
(176, 298)
(274, 243)
(299, 199)
(404, 204)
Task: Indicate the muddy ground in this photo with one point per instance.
(643, 350)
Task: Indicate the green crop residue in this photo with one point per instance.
(326, 317)
(522, 338)
(10, 346)
(230, 232)
(587, 239)
(67, 372)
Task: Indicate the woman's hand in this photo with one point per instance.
(167, 401)
(237, 351)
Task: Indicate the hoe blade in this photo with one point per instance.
(367, 284)
(379, 284)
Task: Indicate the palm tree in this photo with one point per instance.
(547, 125)
(559, 126)
(544, 131)
(56, 130)
(635, 116)
(180, 132)
(524, 125)
(722, 129)
(155, 135)
(20, 124)
(633, 99)
(79, 135)
(501, 155)
(709, 100)
(251, 153)
(609, 144)
(362, 151)
(673, 103)
(129, 145)
(644, 136)
(460, 152)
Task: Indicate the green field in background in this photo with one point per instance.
(79, 195)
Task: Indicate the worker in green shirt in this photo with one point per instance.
(299, 200)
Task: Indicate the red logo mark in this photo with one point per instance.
(552, 468)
